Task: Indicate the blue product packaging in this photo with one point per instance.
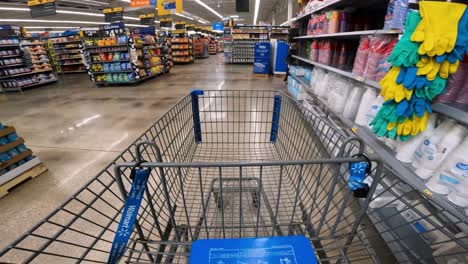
(21, 148)
(308, 75)
(281, 250)
(396, 14)
(28, 158)
(21, 162)
(3, 171)
(12, 137)
(12, 167)
(12, 152)
(4, 157)
(4, 141)
(2, 126)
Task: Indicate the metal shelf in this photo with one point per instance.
(12, 65)
(23, 74)
(352, 34)
(318, 9)
(102, 72)
(10, 56)
(109, 61)
(10, 46)
(340, 72)
(404, 171)
(452, 112)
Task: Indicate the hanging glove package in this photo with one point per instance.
(428, 53)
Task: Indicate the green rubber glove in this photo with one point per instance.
(438, 29)
(405, 52)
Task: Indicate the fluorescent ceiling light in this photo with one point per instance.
(209, 8)
(87, 2)
(201, 21)
(49, 27)
(257, 6)
(67, 12)
(53, 21)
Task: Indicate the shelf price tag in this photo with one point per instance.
(40, 8)
(112, 30)
(113, 14)
(147, 19)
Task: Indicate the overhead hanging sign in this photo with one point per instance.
(180, 25)
(112, 30)
(165, 22)
(218, 26)
(142, 3)
(113, 14)
(167, 7)
(144, 30)
(147, 19)
(40, 8)
(8, 31)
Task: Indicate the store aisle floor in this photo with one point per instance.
(77, 129)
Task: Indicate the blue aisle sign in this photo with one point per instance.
(218, 26)
(268, 250)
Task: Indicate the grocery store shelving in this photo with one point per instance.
(452, 112)
(340, 72)
(405, 171)
(449, 111)
(352, 34)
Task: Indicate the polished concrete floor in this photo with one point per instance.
(76, 129)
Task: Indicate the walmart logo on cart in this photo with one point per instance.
(125, 226)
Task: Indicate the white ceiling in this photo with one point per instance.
(191, 9)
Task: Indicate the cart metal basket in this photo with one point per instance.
(224, 164)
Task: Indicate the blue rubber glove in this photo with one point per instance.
(461, 46)
(410, 80)
(415, 106)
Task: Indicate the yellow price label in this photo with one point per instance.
(427, 192)
(39, 2)
(147, 16)
(112, 10)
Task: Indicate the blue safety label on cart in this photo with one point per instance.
(269, 250)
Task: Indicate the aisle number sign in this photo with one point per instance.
(40, 8)
(167, 7)
(142, 3)
(147, 19)
(113, 14)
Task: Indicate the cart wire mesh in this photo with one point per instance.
(229, 164)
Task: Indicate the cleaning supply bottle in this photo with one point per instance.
(453, 172)
(405, 150)
(374, 109)
(434, 149)
(368, 97)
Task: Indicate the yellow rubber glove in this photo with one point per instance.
(430, 67)
(438, 28)
(407, 127)
(392, 90)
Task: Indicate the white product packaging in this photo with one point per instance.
(367, 100)
(338, 94)
(452, 175)
(352, 102)
(436, 147)
(405, 150)
(321, 86)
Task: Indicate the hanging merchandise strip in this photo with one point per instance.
(129, 214)
(428, 52)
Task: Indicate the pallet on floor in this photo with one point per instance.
(30, 169)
